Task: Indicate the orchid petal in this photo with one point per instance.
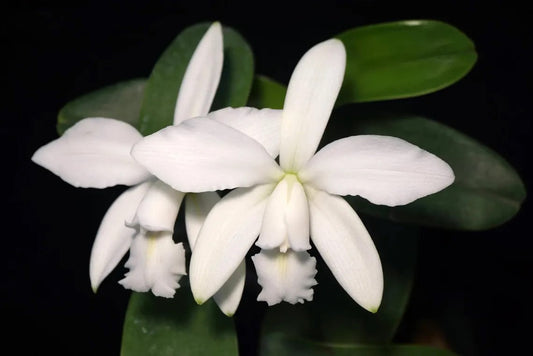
(205, 155)
(228, 233)
(159, 208)
(197, 206)
(346, 247)
(201, 77)
(297, 217)
(311, 94)
(263, 125)
(273, 227)
(113, 238)
(229, 295)
(285, 276)
(286, 220)
(385, 170)
(94, 153)
(155, 263)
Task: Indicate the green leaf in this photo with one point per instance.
(163, 85)
(237, 73)
(177, 326)
(279, 345)
(486, 193)
(403, 59)
(333, 316)
(267, 93)
(121, 101)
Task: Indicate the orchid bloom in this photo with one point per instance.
(96, 153)
(287, 204)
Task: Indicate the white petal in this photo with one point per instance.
(197, 206)
(205, 155)
(297, 217)
(94, 153)
(285, 276)
(263, 125)
(286, 220)
(229, 295)
(155, 263)
(385, 170)
(113, 238)
(311, 94)
(273, 227)
(159, 208)
(344, 244)
(228, 233)
(201, 77)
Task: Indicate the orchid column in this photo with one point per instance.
(286, 203)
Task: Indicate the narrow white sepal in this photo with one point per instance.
(197, 206)
(229, 295)
(113, 238)
(228, 233)
(159, 208)
(311, 94)
(385, 170)
(94, 153)
(286, 220)
(263, 125)
(201, 77)
(285, 276)
(346, 247)
(202, 155)
(156, 263)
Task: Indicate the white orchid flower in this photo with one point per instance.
(288, 203)
(96, 153)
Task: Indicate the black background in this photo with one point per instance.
(476, 286)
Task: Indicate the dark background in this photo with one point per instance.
(474, 286)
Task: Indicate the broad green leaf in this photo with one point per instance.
(159, 327)
(333, 316)
(267, 93)
(121, 101)
(157, 109)
(278, 345)
(486, 193)
(403, 59)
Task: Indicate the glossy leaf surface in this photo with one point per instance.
(403, 59)
(158, 326)
(121, 101)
